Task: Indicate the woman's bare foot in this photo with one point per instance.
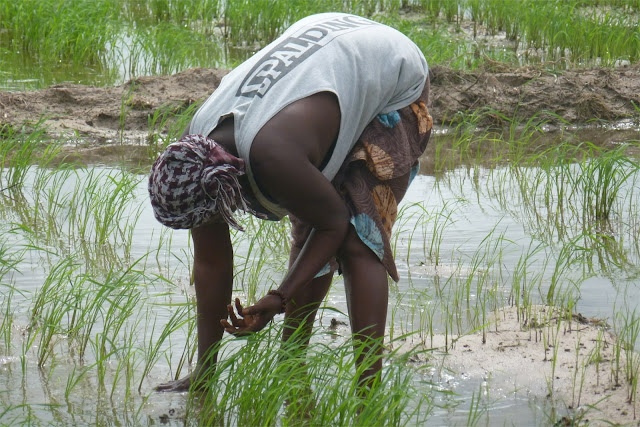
(191, 382)
(183, 384)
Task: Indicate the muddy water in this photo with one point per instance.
(479, 240)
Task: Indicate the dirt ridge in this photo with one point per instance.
(95, 113)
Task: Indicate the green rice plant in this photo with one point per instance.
(441, 220)
(482, 263)
(189, 12)
(601, 178)
(265, 382)
(596, 355)
(77, 375)
(403, 220)
(18, 151)
(561, 28)
(121, 305)
(427, 314)
(439, 44)
(178, 319)
(51, 201)
(168, 47)
(50, 307)
(265, 247)
(10, 257)
(554, 326)
(476, 412)
(78, 31)
(190, 347)
(633, 387)
(167, 124)
(27, 413)
(579, 375)
(629, 333)
(166, 36)
(523, 279)
(570, 254)
(101, 218)
(466, 144)
(397, 307)
(6, 310)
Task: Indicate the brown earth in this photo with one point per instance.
(95, 114)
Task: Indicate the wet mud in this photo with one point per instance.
(123, 113)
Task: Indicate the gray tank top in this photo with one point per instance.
(371, 68)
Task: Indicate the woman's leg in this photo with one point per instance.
(303, 306)
(367, 290)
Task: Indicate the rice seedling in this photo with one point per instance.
(476, 412)
(169, 36)
(576, 205)
(441, 220)
(167, 124)
(321, 388)
(596, 356)
(189, 351)
(570, 254)
(49, 308)
(601, 178)
(77, 31)
(18, 151)
(414, 213)
(154, 343)
(100, 216)
(628, 334)
(579, 375)
(10, 260)
(524, 278)
(265, 249)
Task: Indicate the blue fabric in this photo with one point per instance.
(369, 233)
(414, 172)
(325, 270)
(389, 120)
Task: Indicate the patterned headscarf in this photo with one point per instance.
(194, 180)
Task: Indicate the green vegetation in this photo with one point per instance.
(109, 308)
(108, 41)
(96, 306)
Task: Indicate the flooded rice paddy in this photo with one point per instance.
(519, 251)
(96, 305)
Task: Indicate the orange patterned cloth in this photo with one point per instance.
(375, 176)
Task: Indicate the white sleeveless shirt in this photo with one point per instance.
(371, 68)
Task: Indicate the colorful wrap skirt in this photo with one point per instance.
(374, 178)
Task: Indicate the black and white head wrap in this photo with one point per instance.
(193, 181)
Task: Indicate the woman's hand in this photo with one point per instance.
(251, 319)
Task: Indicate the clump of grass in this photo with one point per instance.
(101, 215)
(262, 254)
(557, 30)
(77, 31)
(19, 150)
(264, 382)
(10, 260)
(167, 124)
(602, 177)
(123, 38)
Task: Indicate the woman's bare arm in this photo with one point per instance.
(285, 159)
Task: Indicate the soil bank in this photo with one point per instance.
(122, 113)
